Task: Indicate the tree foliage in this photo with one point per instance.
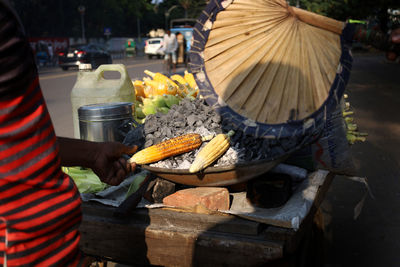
(61, 17)
(344, 9)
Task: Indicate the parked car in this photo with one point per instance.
(152, 47)
(84, 54)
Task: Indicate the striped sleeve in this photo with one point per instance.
(40, 207)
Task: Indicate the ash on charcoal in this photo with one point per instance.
(195, 116)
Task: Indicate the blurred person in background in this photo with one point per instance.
(40, 206)
(181, 47)
(170, 45)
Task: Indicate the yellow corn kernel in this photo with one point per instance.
(160, 88)
(183, 85)
(161, 78)
(169, 148)
(139, 89)
(211, 152)
(189, 78)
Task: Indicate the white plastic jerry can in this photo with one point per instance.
(92, 88)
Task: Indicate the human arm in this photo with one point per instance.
(104, 158)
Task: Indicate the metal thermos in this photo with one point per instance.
(105, 121)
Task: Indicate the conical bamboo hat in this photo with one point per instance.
(265, 63)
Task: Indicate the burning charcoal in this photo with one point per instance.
(185, 164)
(150, 127)
(149, 136)
(177, 114)
(198, 123)
(195, 116)
(179, 124)
(216, 118)
(214, 125)
(148, 143)
(191, 119)
(166, 131)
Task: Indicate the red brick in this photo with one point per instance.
(213, 198)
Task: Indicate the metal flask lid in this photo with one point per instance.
(105, 111)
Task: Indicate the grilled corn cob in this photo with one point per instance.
(211, 152)
(161, 78)
(168, 148)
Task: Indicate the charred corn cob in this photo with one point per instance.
(161, 78)
(168, 148)
(139, 89)
(211, 152)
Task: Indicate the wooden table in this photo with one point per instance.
(171, 238)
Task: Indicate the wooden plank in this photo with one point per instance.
(170, 238)
(167, 245)
(223, 223)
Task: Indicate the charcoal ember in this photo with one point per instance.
(214, 125)
(166, 131)
(206, 109)
(191, 119)
(149, 136)
(187, 104)
(179, 124)
(178, 115)
(198, 123)
(185, 164)
(216, 118)
(148, 143)
(195, 116)
(150, 126)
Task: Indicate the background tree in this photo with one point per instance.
(355, 9)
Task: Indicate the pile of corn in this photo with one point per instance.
(157, 93)
(352, 135)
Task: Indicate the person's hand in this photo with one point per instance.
(109, 164)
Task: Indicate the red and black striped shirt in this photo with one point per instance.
(39, 205)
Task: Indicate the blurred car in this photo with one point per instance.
(152, 47)
(75, 55)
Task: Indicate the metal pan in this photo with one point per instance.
(217, 176)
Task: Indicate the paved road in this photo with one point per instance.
(374, 89)
(373, 240)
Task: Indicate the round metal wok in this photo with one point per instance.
(217, 176)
